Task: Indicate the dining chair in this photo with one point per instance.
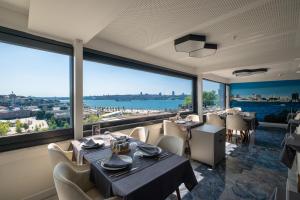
(214, 119)
(231, 111)
(172, 144)
(193, 118)
(56, 155)
(171, 128)
(73, 184)
(237, 108)
(140, 133)
(236, 122)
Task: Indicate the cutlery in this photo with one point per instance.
(162, 156)
(122, 173)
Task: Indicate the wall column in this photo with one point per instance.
(227, 96)
(200, 99)
(78, 89)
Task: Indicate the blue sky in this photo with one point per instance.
(210, 85)
(31, 72)
(270, 88)
(104, 79)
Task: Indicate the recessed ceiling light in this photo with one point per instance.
(298, 72)
(189, 43)
(208, 50)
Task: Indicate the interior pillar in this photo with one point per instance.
(78, 89)
(227, 96)
(200, 99)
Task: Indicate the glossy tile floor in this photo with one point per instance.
(249, 171)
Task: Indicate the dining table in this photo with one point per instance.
(147, 179)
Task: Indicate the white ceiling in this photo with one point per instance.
(250, 33)
(73, 19)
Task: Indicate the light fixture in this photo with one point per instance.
(189, 43)
(208, 50)
(249, 72)
(298, 72)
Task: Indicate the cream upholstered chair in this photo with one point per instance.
(172, 144)
(140, 133)
(236, 122)
(57, 155)
(72, 184)
(171, 128)
(231, 111)
(193, 117)
(214, 119)
(237, 108)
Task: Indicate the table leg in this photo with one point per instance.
(188, 148)
(178, 194)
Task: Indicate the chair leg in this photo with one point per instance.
(178, 194)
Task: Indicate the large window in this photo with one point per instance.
(116, 93)
(213, 96)
(34, 90)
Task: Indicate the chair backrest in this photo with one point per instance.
(214, 119)
(57, 155)
(71, 184)
(172, 144)
(140, 133)
(231, 111)
(237, 108)
(193, 117)
(171, 128)
(235, 122)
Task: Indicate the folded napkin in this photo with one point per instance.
(90, 144)
(150, 150)
(116, 162)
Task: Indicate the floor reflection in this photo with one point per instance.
(250, 171)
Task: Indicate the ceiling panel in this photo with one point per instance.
(248, 32)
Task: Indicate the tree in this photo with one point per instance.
(40, 115)
(66, 125)
(187, 101)
(36, 128)
(209, 98)
(25, 126)
(52, 123)
(4, 128)
(18, 126)
(92, 119)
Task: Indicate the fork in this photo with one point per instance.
(122, 173)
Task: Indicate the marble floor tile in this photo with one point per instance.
(250, 171)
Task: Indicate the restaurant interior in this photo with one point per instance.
(149, 99)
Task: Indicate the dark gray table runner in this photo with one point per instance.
(154, 179)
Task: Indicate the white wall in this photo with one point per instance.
(25, 172)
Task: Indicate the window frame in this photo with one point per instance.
(106, 58)
(225, 84)
(19, 38)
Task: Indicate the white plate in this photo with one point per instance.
(123, 157)
(99, 141)
(180, 121)
(141, 153)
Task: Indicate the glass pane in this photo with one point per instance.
(34, 90)
(213, 96)
(115, 93)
